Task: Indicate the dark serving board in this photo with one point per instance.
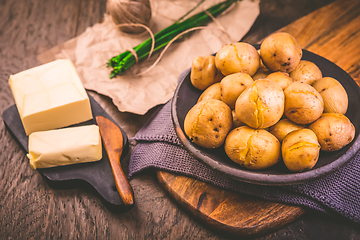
(95, 176)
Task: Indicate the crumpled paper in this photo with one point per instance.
(91, 50)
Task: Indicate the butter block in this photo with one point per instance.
(64, 146)
(50, 96)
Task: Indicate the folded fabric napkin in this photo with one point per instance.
(158, 147)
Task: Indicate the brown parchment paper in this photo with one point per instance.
(137, 94)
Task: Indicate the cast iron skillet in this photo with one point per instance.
(186, 96)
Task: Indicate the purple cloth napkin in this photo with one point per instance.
(158, 147)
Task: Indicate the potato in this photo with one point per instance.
(253, 149)
(236, 120)
(212, 92)
(280, 78)
(283, 128)
(300, 150)
(208, 122)
(303, 104)
(334, 131)
(280, 52)
(333, 93)
(232, 86)
(261, 73)
(204, 72)
(262, 66)
(306, 72)
(237, 57)
(261, 105)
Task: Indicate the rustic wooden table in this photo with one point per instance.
(31, 209)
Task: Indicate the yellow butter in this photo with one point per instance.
(64, 146)
(50, 96)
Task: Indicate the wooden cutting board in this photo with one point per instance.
(332, 32)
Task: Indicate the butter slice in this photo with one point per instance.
(50, 96)
(64, 146)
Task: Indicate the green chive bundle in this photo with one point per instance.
(126, 59)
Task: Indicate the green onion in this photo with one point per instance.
(125, 60)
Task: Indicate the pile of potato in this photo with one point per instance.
(267, 105)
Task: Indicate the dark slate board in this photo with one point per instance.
(96, 177)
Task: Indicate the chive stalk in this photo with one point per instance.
(125, 60)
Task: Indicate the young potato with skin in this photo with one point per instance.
(251, 148)
(334, 131)
(334, 95)
(212, 92)
(204, 72)
(306, 72)
(262, 73)
(237, 57)
(280, 78)
(262, 66)
(300, 150)
(261, 105)
(283, 128)
(303, 104)
(280, 52)
(208, 122)
(232, 86)
(236, 122)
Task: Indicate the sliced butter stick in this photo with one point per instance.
(64, 146)
(50, 96)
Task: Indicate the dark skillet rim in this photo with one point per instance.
(258, 177)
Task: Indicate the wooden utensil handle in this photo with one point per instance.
(121, 182)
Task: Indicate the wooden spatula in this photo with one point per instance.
(113, 140)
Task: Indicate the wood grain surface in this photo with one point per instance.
(334, 33)
(227, 211)
(31, 209)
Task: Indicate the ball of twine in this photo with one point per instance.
(130, 11)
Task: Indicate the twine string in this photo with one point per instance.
(177, 37)
(131, 50)
(130, 11)
(134, 53)
(166, 47)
